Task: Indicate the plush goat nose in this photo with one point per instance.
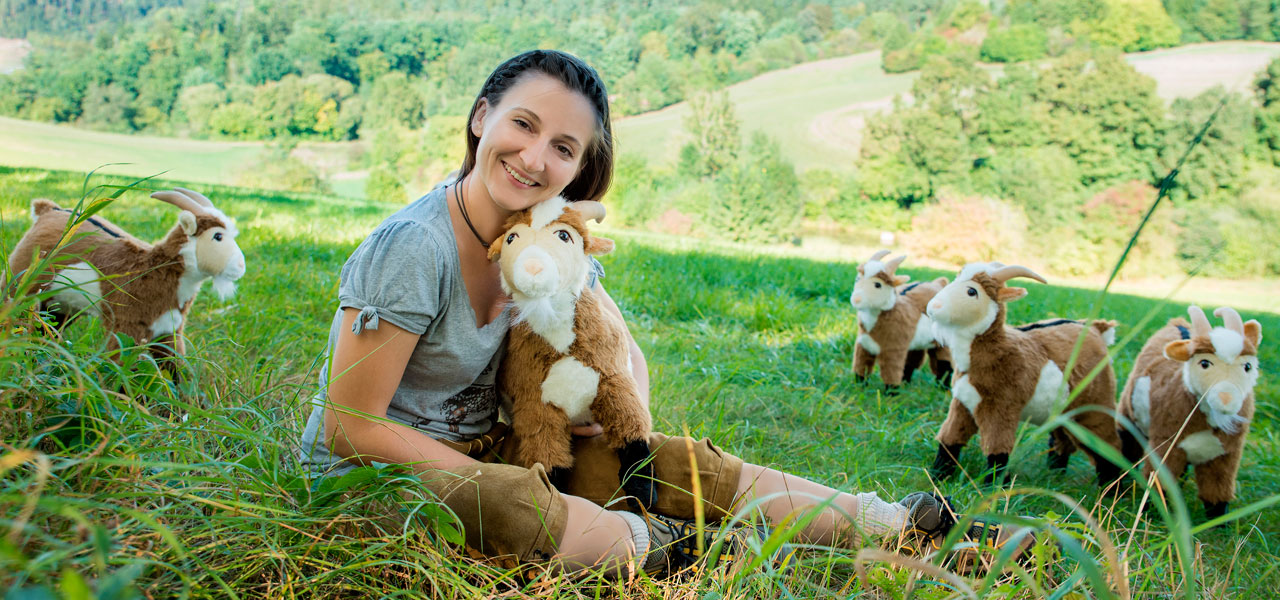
(857, 299)
(532, 267)
(1224, 397)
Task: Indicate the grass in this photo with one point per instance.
(114, 480)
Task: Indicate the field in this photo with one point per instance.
(194, 491)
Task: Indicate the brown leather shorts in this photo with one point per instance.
(512, 511)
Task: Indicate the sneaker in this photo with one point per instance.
(676, 546)
(931, 518)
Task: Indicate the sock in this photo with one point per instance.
(651, 539)
(877, 519)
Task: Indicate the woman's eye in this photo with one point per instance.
(564, 236)
(217, 237)
(1204, 364)
(972, 292)
(512, 238)
(565, 151)
(521, 123)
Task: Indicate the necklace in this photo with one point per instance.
(462, 208)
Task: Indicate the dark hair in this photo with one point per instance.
(597, 159)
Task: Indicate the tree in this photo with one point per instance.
(1024, 41)
(714, 128)
(1134, 26)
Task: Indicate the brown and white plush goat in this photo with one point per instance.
(568, 358)
(142, 290)
(1005, 375)
(1191, 394)
(893, 330)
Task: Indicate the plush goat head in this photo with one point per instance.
(976, 298)
(210, 249)
(542, 251)
(1219, 365)
(875, 288)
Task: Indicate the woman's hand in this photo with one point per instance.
(591, 429)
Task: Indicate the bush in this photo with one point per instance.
(385, 186)
(1026, 41)
(964, 229)
(278, 170)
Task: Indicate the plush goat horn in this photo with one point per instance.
(892, 265)
(179, 200)
(1230, 319)
(879, 255)
(1004, 274)
(590, 209)
(194, 195)
(1200, 326)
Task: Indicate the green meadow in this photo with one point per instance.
(119, 481)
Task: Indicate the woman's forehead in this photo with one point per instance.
(553, 104)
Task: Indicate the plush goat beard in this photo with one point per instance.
(544, 311)
(223, 287)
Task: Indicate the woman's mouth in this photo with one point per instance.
(518, 177)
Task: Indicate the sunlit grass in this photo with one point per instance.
(113, 479)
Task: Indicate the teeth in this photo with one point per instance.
(517, 176)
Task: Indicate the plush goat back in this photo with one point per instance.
(601, 338)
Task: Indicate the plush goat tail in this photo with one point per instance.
(1107, 329)
(40, 206)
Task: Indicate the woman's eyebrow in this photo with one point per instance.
(533, 116)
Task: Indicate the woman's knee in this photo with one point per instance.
(503, 509)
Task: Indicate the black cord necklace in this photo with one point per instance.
(462, 208)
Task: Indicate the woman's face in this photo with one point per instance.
(532, 141)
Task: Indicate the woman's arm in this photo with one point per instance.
(363, 376)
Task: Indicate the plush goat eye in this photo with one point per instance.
(564, 236)
(1204, 364)
(1248, 367)
(877, 286)
(972, 292)
(512, 238)
(217, 237)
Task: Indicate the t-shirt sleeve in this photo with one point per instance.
(394, 275)
(595, 273)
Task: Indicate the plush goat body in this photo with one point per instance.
(568, 357)
(1191, 394)
(893, 330)
(142, 290)
(1005, 375)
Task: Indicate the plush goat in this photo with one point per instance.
(1191, 393)
(893, 330)
(1005, 375)
(568, 360)
(142, 290)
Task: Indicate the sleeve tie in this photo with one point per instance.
(367, 319)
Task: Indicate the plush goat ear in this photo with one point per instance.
(901, 280)
(1179, 350)
(495, 249)
(1009, 294)
(188, 222)
(1253, 331)
(597, 245)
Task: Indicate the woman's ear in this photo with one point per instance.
(477, 121)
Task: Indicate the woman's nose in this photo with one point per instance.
(531, 156)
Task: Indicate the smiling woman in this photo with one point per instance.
(421, 297)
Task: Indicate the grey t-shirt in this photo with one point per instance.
(407, 273)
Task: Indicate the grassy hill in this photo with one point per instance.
(196, 491)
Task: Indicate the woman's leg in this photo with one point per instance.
(595, 536)
(851, 520)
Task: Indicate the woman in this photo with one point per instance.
(419, 331)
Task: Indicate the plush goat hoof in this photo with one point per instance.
(1213, 510)
(1057, 461)
(891, 391)
(946, 461)
(997, 466)
(636, 472)
(559, 477)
